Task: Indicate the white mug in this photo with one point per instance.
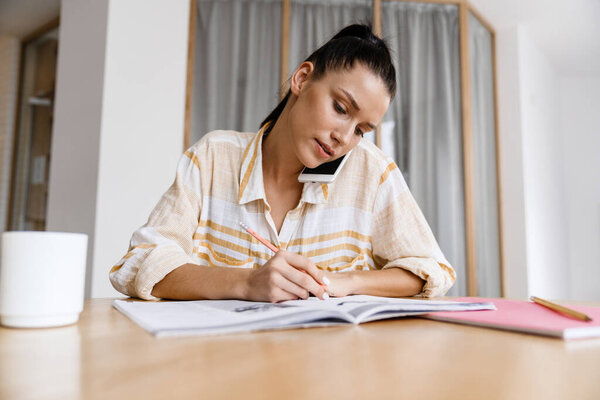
(42, 278)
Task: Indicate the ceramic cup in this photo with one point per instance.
(42, 278)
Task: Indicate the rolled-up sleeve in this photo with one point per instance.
(403, 239)
(165, 242)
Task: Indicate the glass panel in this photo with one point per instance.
(484, 160)
(31, 173)
(424, 119)
(236, 67)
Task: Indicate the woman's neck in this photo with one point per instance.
(279, 161)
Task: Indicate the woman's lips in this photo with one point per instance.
(321, 150)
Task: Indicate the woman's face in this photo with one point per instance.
(329, 115)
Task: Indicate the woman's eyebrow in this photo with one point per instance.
(355, 105)
(351, 98)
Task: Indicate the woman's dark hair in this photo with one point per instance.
(353, 43)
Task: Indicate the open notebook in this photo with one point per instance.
(525, 316)
(209, 317)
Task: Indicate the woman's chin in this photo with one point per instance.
(312, 163)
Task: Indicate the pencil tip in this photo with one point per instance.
(243, 225)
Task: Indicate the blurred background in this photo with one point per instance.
(495, 125)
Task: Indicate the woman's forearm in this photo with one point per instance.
(196, 282)
(392, 282)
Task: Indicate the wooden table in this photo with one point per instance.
(106, 356)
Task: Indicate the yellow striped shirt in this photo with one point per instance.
(366, 219)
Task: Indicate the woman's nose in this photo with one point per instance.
(343, 134)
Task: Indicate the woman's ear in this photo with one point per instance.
(301, 76)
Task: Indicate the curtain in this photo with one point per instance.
(484, 160)
(237, 63)
(427, 118)
(236, 84)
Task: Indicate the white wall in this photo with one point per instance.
(536, 243)
(77, 121)
(514, 251)
(580, 128)
(142, 121)
(545, 205)
(548, 68)
(119, 121)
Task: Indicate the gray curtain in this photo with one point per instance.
(484, 160)
(237, 59)
(236, 84)
(426, 113)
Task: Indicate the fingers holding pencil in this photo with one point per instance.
(300, 274)
(278, 280)
(307, 265)
(303, 273)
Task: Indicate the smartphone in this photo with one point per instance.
(324, 173)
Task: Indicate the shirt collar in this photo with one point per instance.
(251, 177)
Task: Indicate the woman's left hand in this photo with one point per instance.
(340, 284)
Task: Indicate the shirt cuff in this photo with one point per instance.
(161, 261)
(438, 277)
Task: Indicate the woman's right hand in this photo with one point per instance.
(286, 276)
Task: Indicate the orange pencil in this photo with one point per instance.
(259, 238)
(269, 245)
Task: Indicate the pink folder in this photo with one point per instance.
(525, 316)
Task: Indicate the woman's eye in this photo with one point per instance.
(341, 110)
(338, 108)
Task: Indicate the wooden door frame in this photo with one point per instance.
(28, 39)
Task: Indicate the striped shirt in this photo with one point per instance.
(366, 219)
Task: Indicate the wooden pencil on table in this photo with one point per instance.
(561, 309)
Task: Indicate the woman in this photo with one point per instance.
(361, 234)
